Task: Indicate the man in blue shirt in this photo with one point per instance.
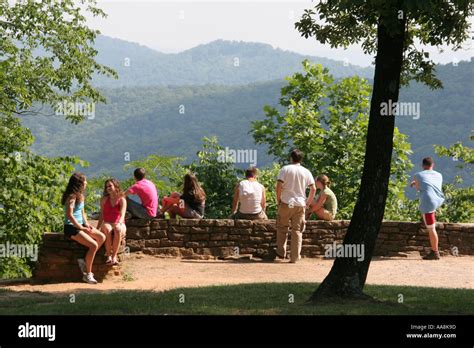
(429, 183)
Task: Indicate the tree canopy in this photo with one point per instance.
(66, 65)
(31, 185)
(327, 120)
(429, 22)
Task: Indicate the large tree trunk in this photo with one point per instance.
(347, 276)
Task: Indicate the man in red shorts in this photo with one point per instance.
(428, 183)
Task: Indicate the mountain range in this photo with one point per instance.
(218, 62)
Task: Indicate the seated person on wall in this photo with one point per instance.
(190, 204)
(325, 203)
(76, 226)
(250, 194)
(112, 219)
(148, 194)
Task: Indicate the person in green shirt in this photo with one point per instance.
(325, 203)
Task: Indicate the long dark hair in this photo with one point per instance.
(114, 182)
(191, 188)
(75, 187)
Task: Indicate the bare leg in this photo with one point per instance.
(118, 231)
(85, 239)
(98, 236)
(309, 212)
(433, 235)
(174, 210)
(168, 202)
(107, 230)
(165, 204)
(322, 215)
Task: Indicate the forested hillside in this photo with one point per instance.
(172, 120)
(142, 121)
(446, 116)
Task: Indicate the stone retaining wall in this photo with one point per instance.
(210, 238)
(57, 260)
(228, 239)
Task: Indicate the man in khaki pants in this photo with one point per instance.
(291, 197)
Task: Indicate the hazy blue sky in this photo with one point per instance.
(174, 26)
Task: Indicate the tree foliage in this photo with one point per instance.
(31, 185)
(62, 73)
(391, 30)
(458, 206)
(30, 193)
(327, 120)
(429, 23)
(226, 112)
(218, 178)
(462, 154)
(165, 171)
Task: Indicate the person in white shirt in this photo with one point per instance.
(292, 183)
(250, 195)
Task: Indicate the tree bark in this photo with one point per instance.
(348, 275)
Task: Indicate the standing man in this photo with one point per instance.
(146, 190)
(292, 183)
(429, 183)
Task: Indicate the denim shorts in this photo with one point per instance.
(71, 230)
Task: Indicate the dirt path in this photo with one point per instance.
(143, 272)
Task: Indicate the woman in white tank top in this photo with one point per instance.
(250, 194)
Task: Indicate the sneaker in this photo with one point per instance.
(433, 255)
(82, 265)
(89, 278)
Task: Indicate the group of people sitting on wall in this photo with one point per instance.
(249, 203)
(250, 200)
(114, 206)
(294, 207)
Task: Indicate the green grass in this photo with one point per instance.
(250, 299)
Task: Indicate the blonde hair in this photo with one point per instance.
(323, 179)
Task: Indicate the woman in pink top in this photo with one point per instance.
(112, 218)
